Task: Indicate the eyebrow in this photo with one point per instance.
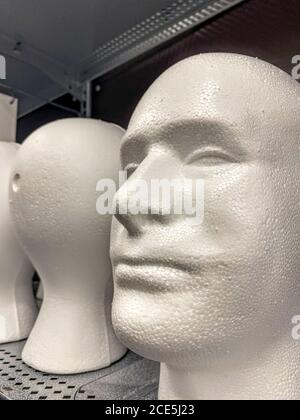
(185, 135)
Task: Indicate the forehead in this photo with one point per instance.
(213, 97)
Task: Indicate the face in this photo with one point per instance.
(184, 291)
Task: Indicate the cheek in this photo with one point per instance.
(239, 208)
(243, 217)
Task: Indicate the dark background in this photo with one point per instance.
(268, 29)
(36, 119)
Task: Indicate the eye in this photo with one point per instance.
(131, 168)
(209, 157)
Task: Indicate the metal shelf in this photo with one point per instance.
(59, 47)
(132, 378)
(163, 26)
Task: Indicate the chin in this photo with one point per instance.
(152, 327)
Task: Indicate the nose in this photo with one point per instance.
(140, 203)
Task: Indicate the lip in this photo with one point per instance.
(151, 262)
(150, 275)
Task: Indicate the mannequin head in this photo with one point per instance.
(53, 196)
(17, 306)
(8, 118)
(191, 295)
(53, 203)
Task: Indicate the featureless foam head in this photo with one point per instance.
(17, 306)
(186, 293)
(8, 118)
(53, 203)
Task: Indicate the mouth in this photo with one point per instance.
(151, 276)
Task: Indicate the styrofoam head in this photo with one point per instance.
(53, 195)
(186, 293)
(53, 200)
(17, 307)
(8, 118)
(9, 245)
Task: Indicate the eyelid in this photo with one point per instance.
(209, 153)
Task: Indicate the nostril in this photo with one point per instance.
(16, 183)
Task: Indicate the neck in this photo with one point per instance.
(73, 334)
(272, 375)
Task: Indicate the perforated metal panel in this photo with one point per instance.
(138, 379)
(178, 17)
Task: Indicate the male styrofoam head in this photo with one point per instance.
(230, 285)
(53, 200)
